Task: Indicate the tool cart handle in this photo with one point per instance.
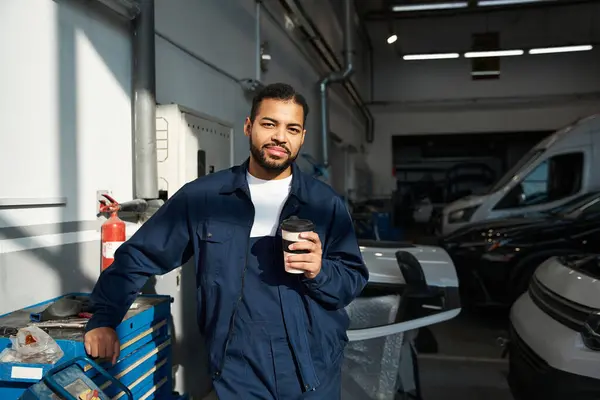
(56, 388)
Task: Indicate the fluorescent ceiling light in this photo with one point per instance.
(496, 53)
(483, 3)
(392, 39)
(430, 6)
(485, 73)
(437, 56)
(563, 49)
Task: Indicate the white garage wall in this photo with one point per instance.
(65, 106)
(540, 92)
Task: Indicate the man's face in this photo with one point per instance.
(277, 134)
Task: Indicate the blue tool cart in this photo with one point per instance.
(144, 365)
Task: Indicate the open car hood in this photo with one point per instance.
(430, 283)
(410, 287)
(573, 278)
(380, 259)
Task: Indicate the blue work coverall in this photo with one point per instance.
(210, 219)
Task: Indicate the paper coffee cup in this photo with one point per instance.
(290, 232)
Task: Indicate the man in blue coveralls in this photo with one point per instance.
(270, 334)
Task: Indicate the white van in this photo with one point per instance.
(554, 344)
(564, 165)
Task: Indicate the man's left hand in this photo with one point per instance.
(309, 262)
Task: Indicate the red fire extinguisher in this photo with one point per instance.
(112, 231)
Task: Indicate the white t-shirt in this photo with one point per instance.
(268, 198)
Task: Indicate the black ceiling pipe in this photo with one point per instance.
(336, 76)
(319, 41)
(320, 45)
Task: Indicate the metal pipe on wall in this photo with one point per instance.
(336, 76)
(317, 40)
(258, 41)
(369, 43)
(144, 107)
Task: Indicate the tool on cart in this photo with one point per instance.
(63, 308)
(69, 382)
(71, 323)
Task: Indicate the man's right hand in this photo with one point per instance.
(102, 343)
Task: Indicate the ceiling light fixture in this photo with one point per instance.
(485, 73)
(433, 56)
(494, 53)
(562, 49)
(392, 39)
(430, 6)
(484, 3)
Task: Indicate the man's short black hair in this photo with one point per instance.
(278, 91)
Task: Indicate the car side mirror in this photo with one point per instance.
(591, 331)
(522, 198)
(413, 274)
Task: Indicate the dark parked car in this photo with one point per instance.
(495, 259)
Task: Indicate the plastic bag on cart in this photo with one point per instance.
(34, 346)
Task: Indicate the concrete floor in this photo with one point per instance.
(460, 379)
(468, 364)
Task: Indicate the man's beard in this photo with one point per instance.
(261, 159)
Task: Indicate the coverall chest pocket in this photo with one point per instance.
(215, 248)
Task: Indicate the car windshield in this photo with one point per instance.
(524, 161)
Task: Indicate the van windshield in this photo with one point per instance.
(587, 201)
(527, 159)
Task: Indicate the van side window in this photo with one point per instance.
(553, 179)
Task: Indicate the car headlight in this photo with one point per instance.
(463, 215)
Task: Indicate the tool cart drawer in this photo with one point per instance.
(133, 370)
(153, 384)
